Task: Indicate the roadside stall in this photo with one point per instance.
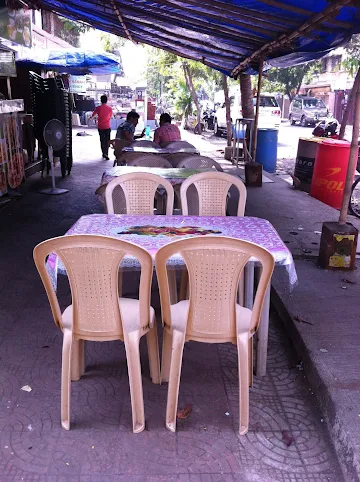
(11, 154)
(52, 97)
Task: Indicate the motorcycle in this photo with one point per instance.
(208, 119)
(327, 128)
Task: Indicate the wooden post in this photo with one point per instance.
(352, 158)
(349, 105)
(261, 63)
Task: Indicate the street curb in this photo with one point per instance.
(344, 448)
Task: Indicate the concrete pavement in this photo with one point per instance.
(287, 440)
(321, 314)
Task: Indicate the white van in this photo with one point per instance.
(269, 114)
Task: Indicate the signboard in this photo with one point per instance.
(77, 84)
(7, 64)
(15, 25)
(38, 41)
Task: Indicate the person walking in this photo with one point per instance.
(104, 113)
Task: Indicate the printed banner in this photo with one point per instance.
(77, 84)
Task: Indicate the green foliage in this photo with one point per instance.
(70, 30)
(166, 81)
(111, 43)
(352, 62)
(287, 81)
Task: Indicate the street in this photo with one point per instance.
(287, 144)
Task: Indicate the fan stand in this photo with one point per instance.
(53, 190)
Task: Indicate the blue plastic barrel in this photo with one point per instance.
(266, 149)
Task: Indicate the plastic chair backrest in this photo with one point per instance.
(119, 144)
(134, 193)
(198, 162)
(179, 145)
(175, 158)
(214, 265)
(128, 157)
(145, 143)
(212, 190)
(150, 161)
(92, 265)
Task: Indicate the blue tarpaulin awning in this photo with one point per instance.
(72, 61)
(228, 35)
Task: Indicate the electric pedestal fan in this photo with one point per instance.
(55, 139)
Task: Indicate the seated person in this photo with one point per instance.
(167, 132)
(126, 131)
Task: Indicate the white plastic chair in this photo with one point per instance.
(179, 145)
(176, 158)
(145, 143)
(199, 162)
(212, 190)
(97, 313)
(134, 193)
(126, 158)
(211, 315)
(150, 161)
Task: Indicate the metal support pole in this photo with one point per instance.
(261, 63)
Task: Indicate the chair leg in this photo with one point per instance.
(120, 282)
(66, 379)
(251, 361)
(241, 290)
(135, 381)
(263, 334)
(77, 360)
(172, 285)
(153, 353)
(177, 196)
(243, 361)
(178, 340)
(184, 284)
(166, 356)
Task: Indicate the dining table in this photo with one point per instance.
(175, 176)
(153, 232)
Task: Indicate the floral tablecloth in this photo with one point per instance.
(153, 232)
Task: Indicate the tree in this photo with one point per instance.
(227, 109)
(247, 103)
(111, 43)
(171, 77)
(287, 80)
(351, 65)
(70, 30)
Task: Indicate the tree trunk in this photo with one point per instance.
(190, 86)
(227, 108)
(350, 103)
(353, 154)
(246, 96)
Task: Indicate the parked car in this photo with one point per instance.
(307, 111)
(269, 114)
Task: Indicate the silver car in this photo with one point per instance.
(307, 111)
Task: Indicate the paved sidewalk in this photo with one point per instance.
(287, 440)
(321, 314)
